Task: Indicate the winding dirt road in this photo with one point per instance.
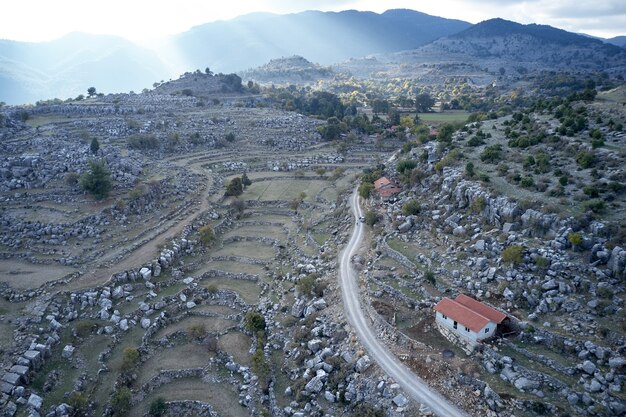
(411, 383)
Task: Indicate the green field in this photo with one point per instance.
(448, 116)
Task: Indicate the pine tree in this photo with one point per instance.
(95, 146)
(98, 180)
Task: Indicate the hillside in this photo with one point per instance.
(293, 69)
(515, 46)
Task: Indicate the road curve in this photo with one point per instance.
(411, 383)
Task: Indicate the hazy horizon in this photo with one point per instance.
(142, 21)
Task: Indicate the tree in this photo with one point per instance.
(254, 322)
(371, 218)
(424, 102)
(91, 91)
(295, 203)
(238, 207)
(245, 181)
(207, 235)
(234, 188)
(97, 181)
(95, 146)
(365, 190)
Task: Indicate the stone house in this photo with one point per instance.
(386, 188)
(467, 318)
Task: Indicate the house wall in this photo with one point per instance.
(470, 336)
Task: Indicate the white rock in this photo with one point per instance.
(68, 351)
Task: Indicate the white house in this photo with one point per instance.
(468, 318)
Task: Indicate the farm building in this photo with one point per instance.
(468, 318)
(386, 188)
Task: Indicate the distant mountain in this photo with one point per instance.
(499, 43)
(618, 41)
(68, 66)
(293, 69)
(324, 37)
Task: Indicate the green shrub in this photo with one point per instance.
(527, 182)
(130, 357)
(405, 165)
(365, 190)
(254, 322)
(121, 402)
(542, 262)
(563, 180)
(491, 154)
(207, 235)
(429, 276)
(575, 239)
(84, 328)
(411, 207)
(157, 407)
(604, 292)
(513, 254)
(371, 218)
(143, 142)
(585, 159)
(596, 206)
(478, 205)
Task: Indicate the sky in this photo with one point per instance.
(144, 20)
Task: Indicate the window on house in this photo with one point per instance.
(486, 329)
(467, 330)
(454, 325)
(444, 317)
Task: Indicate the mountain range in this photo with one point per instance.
(68, 66)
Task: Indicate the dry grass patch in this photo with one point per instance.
(211, 324)
(23, 276)
(186, 356)
(223, 397)
(236, 267)
(255, 250)
(236, 344)
(248, 290)
(273, 232)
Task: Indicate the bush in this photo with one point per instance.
(371, 218)
(261, 367)
(491, 154)
(307, 284)
(585, 159)
(596, 206)
(469, 170)
(212, 289)
(513, 254)
(478, 205)
(254, 322)
(411, 207)
(542, 261)
(207, 235)
(575, 239)
(405, 165)
(79, 402)
(429, 276)
(121, 402)
(84, 328)
(527, 182)
(143, 142)
(197, 331)
(157, 407)
(130, 358)
(230, 137)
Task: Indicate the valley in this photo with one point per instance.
(289, 240)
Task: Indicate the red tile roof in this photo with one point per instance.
(388, 192)
(461, 314)
(381, 182)
(480, 308)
